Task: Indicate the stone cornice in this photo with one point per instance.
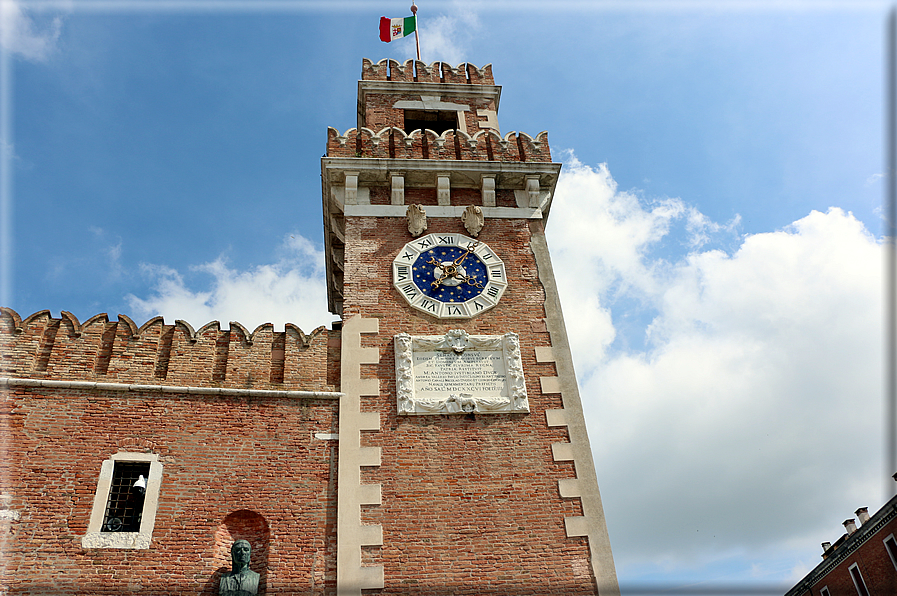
(453, 211)
(166, 390)
(421, 172)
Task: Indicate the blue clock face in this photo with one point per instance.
(449, 274)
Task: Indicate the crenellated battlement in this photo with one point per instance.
(43, 347)
(395, 143)
(419, 72)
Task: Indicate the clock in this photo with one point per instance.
(449, 276)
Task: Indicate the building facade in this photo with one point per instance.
(862, 562)
(432, 442)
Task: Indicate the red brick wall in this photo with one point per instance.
(380, 113)
(41, 347)
(470, 505)
(233, 468)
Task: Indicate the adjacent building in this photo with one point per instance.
(861, 562)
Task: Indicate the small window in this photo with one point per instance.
(125, 503)
(436, 120)
(124, 508)
(824, 592)
(891, 547)
(857, 578)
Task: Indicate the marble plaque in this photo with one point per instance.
(457, 373)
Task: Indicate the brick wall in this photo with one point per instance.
(241, 466)
(379, 112)
(42, 347)
(238, 467)
(470, 504)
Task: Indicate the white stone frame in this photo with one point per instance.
(888, 550)
(861, 584)
(512, 400)
(95, 537)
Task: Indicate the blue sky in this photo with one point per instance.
(716, 230)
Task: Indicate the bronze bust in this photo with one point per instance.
(241, 580)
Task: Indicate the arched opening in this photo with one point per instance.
(242, 525)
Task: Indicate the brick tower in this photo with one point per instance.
(464, 462)
(431, 443)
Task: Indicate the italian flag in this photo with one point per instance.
(391, 29)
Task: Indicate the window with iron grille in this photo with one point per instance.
(124, 509)
(125, 505)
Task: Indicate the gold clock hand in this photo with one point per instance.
(470, 249)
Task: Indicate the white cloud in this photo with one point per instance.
(20, 35)
(602, 237)
(700, 227)
(752, 414)
(875, 178)
(292, 290)
(445, 37)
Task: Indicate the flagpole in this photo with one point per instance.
(416, 38)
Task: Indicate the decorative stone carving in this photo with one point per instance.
(491, 120)
(417, 220)
(457, 373)
(473, 220)
(241, 580)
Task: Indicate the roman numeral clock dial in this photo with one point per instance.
(449, 276)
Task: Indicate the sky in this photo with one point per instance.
(716, 231)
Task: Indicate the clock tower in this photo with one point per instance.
(464, 461)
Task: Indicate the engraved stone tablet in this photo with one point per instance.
(457, 373)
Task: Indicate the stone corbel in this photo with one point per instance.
(351, 196)
(488, 188)
(443, 189)
(398, 188)
(533, 190)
